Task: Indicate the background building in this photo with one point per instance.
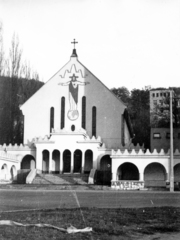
(160, 119)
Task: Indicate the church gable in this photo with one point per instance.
(73, 99)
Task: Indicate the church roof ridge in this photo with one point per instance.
(103, 84)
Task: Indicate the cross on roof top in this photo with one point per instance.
(74, 42)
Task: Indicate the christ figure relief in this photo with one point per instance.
(73, 84)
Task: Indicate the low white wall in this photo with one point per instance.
(141, 160)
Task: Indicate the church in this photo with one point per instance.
(74, 124)
(71, 123)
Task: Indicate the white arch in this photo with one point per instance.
(55, 161)
(177, 172)
(28, 162)
(159, 162)
(100, 157)
(128, 163)
(4, 172)
(13, 172)
(71, 161)
(45, 161)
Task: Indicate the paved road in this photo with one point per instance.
(11, 200)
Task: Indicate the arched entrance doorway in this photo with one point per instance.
(45, 161)
(13, 173)
(66, 161)
(88, 164)
(128, 171)
(56, 161)
(28, 162)
(177, 172)
(105, 163)
(104, 176)
(77, 161)
(155, 175)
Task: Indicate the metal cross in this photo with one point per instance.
(74, 43)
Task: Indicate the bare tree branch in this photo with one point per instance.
(15, 54)
(1, 50)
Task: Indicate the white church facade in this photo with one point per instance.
(73, 124)
(70, 118)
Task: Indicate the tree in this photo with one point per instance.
(14, 90)
(138, 108)
(160, 114)
(14, 61)
(27, 72)
(140, 116)
(1, 50)
(122, 93)
(11, 121)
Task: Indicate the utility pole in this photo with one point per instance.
(171, 147)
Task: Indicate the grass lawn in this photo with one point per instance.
(107, 224)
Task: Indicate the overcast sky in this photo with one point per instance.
(131, 43)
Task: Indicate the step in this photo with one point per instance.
(60, 179)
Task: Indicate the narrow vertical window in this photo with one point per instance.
(62, 112)
(84, 112)
(122, 130)
(94, 121)
(51, 119)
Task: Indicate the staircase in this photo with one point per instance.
(77, 178)
(60, 179)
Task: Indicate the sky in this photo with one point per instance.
(131, 43)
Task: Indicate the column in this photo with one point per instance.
(96, 165)
(141, 176)
(61, 163)
(114, 176)
(39, 160)
(83, 161)
(72, 162)
(50, 161)
(167, 177)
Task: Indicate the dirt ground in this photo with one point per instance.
(107, 224)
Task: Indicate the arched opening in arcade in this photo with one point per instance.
(28, 162)
(177, 173)
(88, 163)
(104, 175)
(4, 172)
(155, 175)
(13, 173)
(105, 163)
(128, 171)
(77, 161)
(45, 161)
(66, 161)
(56, 161)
